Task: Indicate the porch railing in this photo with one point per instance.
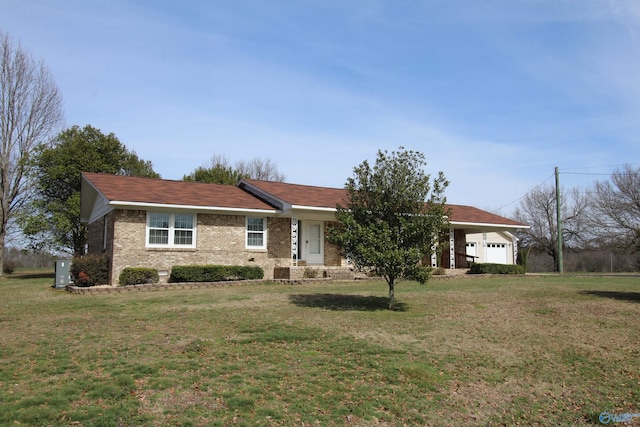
(465, 260)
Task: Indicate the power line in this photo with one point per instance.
(602, 166)
(565, 172)
(601, 174)
(524, 195)
(588, 173)
(617, 167)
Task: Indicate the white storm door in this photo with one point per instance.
(314, 242)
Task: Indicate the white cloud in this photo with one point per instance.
(495, 93)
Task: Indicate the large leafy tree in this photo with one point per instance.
(54, 215)
(30, 114)
(220, 171)
(392, 217)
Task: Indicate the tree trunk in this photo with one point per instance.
(391, 294)
(2, 241)
(79, 241)
(4, 220)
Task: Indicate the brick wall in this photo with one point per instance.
(95, 232)
(460, 241)
(220, 239)
(279, 239)
(96, 242)
(332, 255)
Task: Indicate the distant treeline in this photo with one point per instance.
(588, 261)
(24, 258)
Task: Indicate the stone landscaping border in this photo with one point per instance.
(101, 290)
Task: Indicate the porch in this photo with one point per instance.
(468, 245)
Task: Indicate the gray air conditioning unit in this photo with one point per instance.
(63, 273)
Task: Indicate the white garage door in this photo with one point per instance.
(497, 253)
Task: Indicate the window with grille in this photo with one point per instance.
(171, 230)
(256, 233)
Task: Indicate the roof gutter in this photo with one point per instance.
(163, 206)
(313, 208)
(493, 225)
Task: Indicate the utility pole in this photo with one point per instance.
(559, 222)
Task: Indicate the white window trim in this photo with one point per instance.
(172, 229)
(264, 233)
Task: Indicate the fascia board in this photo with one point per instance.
(121, 204)
(88, 195)
(108, 207)
(489, 225)
(475, 224)
(459, 223)
(312, 208)
(513, 236)
(263, 195)
(99, 210)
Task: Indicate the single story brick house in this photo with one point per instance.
(281, 227)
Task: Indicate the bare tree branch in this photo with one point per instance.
(262, 169)
(616, 208)
(30, 114)
(538, 209)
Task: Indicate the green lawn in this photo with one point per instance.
(538, 350)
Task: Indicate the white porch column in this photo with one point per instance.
(294, 241)
(434, 256)
(514, 240)
(484, 247)
(452, 250)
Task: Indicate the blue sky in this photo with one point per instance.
(495, 93)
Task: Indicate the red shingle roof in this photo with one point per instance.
(469, 214)
(129, 189)
(304, 195)
(161, 191)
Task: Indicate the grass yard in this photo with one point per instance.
(539, 350)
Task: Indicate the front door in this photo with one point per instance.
(314, 242)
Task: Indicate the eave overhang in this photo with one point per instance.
(480, 225)
(116, 204)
